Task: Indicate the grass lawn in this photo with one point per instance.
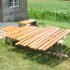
(49, 9)
(19, 58)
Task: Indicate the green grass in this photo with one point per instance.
(19, 58)
(50, 10)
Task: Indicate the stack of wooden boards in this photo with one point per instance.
(35, 37)
(7, 29)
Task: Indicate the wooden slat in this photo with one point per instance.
(31, 34)
(25, 22)
(54, 40)
(10, 33)
(23, 28)
(36, 37)
(10, 28)
(26, 30)
(31, 38)
(37, 42)
(22, 33)
(27, 34)
(50, 37)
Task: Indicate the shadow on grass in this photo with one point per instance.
(39, 56)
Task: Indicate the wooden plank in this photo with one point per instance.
(37, 42)
(25, 22)
(26, 30)
(54, 40)
(36, 37)
(31, 38)
(27, 34)
(11, 33)
(22, 33)
(9, 28)
(31, 34)
(50, 37)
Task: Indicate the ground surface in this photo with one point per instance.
(4, 24)
(17, 58)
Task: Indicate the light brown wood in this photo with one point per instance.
(50, 37)
(27, 34)
(20, 34)
(30, 36)
(39, 41)
(36, 37)
(10, 28)
(16, 31)
(54, 40)
(25, 22)
(23, 32)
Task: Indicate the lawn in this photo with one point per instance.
(50, 10)
(19, 58)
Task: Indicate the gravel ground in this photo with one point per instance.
(4, 24)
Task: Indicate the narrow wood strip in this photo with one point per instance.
(30, 38)
(38, 42)
(46, 40)
(11, 33)
(33, 38)
(27, 34)
(54, 40)
(9, 28)
(21, 33)
(36, 37)
(33, 33)
(28, 27)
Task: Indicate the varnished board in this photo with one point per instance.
(39, 37)
(48, 39)
(28, 34)
(16, 31)
(13, 32)
(23, 32)
(20, 35)
(55, 39)
(9, 28)
(43, 38)
(31, 33)
(36, 37)
(57, 35)
(27, 22)
(34, 34)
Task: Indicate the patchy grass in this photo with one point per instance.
(19, 58)
(49, 10)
